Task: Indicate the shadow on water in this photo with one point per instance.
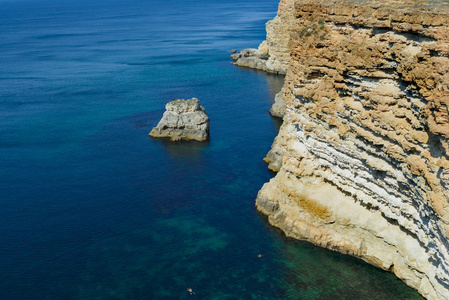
(274, 82)
(183, 149)
(277, 122)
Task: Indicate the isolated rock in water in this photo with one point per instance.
(183, 120)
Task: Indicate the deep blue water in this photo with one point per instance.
(92, 208)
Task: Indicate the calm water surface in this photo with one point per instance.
(92, 208)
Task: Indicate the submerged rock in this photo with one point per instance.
(183, 120)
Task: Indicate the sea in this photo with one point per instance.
(91, 207)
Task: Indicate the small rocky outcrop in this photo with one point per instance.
(251, 58)
(183, 120)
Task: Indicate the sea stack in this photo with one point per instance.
(183, 120)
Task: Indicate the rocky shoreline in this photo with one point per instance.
(362, 156)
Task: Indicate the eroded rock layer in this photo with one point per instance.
(363, 154)
(273, 54)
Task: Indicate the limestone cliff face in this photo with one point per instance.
(363, 153)
(273, 54)
(278, 33)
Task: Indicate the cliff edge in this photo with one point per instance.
(273, 54)
(363, 154)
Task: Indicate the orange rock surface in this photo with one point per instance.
(363, 154)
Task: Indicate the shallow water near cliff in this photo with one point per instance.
(92, 208)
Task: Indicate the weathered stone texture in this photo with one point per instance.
(273, 54)
(183, 120)
(363, 154)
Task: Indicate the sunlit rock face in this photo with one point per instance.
(183, 120)
(363, 154)
(273, 54)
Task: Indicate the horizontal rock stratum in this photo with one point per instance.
(183, 120)
(363, 153)
(273, 54)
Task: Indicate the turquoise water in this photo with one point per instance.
(92, 208)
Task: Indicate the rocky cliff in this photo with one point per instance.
(363, 154)
(273, 54)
